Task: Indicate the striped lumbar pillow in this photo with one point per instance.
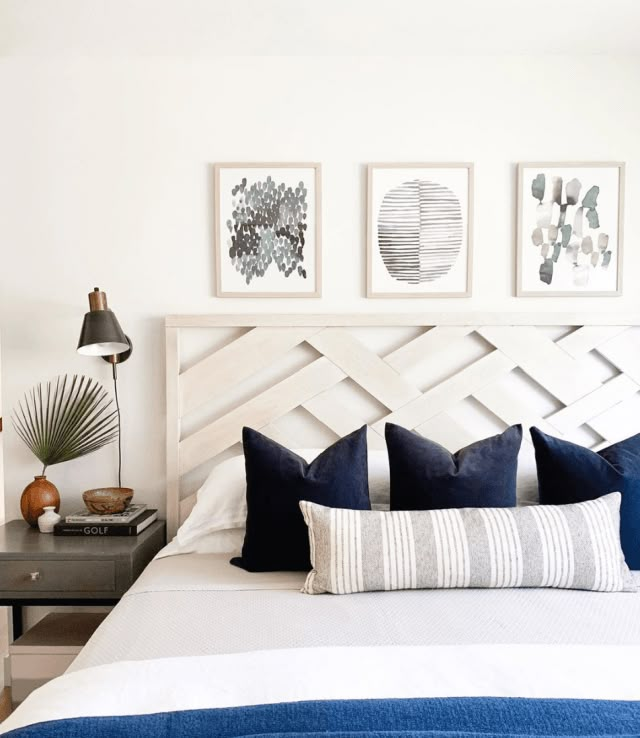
(565, 546)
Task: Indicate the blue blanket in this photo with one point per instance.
(488, 717)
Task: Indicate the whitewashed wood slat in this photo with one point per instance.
(257, 412)
(446, 431)
(611, 431)
(507, 405)
(331, 412)
(277, 434)
(618, 422)
(237, 361)
(365, 367)
(437, 399)
(429, 344)
(585, 339)
(542, 360)
(174, 421)
(623, 352)
(375, 441)
(420, 319)
(587, 408)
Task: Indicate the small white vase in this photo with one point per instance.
(48, 519)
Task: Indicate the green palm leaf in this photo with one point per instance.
(66, 418)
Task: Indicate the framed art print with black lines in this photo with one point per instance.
(419, 230)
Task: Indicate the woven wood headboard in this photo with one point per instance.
(305, 380)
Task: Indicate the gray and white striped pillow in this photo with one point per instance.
(564, 546)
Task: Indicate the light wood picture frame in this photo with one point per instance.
(268, 229)
(570, 229)
(419, 230)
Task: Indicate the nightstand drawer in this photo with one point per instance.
(58, 576)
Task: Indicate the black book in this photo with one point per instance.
(107, 529)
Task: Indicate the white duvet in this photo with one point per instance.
(195, 632)
(292, 675)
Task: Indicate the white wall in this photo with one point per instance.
(106, 180)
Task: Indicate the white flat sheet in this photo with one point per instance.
(267, 677)
(198, 604)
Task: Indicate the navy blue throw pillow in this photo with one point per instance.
(276, 538)
(425, 476)
(570, 473)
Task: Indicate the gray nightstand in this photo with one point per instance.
(43, 569)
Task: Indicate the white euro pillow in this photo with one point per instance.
(216, 522)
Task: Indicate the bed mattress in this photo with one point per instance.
(198, 604)
(200, 647)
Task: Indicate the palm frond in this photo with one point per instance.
(66, 418)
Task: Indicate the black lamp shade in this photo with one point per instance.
(101, 335)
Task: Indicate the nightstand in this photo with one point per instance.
(43, 569)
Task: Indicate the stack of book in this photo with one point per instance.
(131, 522)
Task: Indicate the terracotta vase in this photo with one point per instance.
(36, 496)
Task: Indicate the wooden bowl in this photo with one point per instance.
(107, 500)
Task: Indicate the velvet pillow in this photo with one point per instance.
(425, 476)
(570, 473)
(277, 480)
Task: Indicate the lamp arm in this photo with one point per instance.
(115, 392)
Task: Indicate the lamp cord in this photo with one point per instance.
(115, 392)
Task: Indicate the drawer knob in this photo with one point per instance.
(35, 575)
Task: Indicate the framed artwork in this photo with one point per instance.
(267, 230)
(570, 229)
(419, 230)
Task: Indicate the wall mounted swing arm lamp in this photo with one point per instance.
(101, 335)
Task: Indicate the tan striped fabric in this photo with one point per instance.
(564, 546)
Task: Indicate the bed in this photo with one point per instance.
(195, 633)
(200, 647)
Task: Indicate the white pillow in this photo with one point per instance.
(216, 523)
(219, 542)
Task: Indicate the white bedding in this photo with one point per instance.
(199, 604)
(195, 632)
(268, 677)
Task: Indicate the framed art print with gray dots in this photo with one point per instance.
(419, 230)
(570, 218)
(267, 230)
